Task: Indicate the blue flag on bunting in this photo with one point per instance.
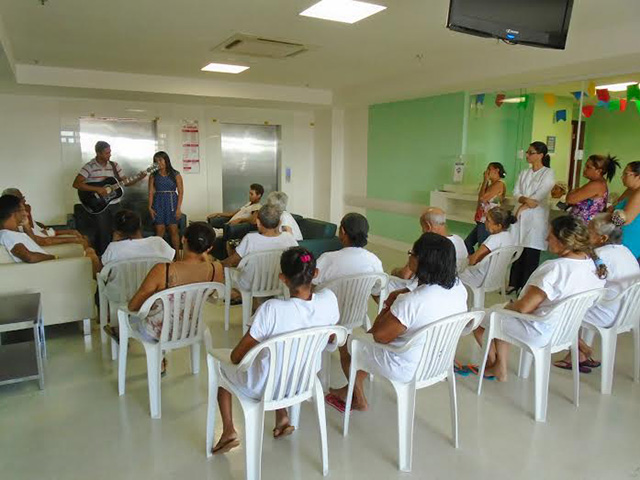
(480, 99)
(602, 103)
(561, 115)
(579, 95)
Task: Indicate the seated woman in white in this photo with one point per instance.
(128, 244)
(622, 272)
(287, 222)
(352, 258)
(268, 237)
(433, 220)
(195, 266)
(498, 220)
(439, 294)
(574, 272)
(305, 309)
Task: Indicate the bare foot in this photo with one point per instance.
(283, 428)
(359, 401)
(226, 443)
(498, 373)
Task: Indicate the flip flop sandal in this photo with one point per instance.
(226, 446)
(489, 377)
(335, 402)
(563, 364)
(461, 370)
(283, 432)
(473, 369)
(235, 301)
(591, 363)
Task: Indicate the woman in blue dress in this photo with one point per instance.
(627, 209)
(165, 198)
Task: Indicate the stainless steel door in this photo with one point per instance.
(250, 154)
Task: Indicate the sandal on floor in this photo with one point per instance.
(335, 402)
(163, 368)
(280, 432)
(460, 369)
(567, 365)
(226, 446)
(235, 301)
(473, 369)
(591, 363)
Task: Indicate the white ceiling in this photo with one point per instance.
(402, 52)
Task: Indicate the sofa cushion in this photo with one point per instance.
(312, 228)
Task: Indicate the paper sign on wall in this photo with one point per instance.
(190, 147)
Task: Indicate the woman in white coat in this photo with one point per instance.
(531, 193)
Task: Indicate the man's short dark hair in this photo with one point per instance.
(256, 187)
(9, 204)
(101, 146)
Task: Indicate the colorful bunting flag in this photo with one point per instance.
(623, 104)
(602, 103)
(499, 99)
(587, 110)
(550, 99)
(603, 94)
(614, 105)
(637, 105)
(561, 115)
(633, 92)
(480, 99)
(578, 95)
(591, 89)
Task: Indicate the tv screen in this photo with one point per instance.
(540, 23)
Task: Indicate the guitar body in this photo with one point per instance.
(94, 203)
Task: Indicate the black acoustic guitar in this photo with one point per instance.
(95, 203)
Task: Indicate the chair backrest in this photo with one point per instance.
(353, 292)
(629, 310)
(126, 276)
(264, 268)
(440, 343)
(294, 359)
(499, 262)
(182, 308)
(568, 316)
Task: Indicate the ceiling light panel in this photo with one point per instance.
(345, 11)
(617, 87)
(224, 68)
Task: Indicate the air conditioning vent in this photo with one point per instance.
(251, 46)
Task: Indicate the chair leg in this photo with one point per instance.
(318, 395)
(123, 329)
(247, 301)
(227, 303)
(254, 431)
(609, 342)
(195, 358)
(86, 326)
(575, 369)
(636, 353)
(453, 398)
(154, 358)
(325, 372)
(114, 349)
(294, 415)
(406, 394)
(212, 402)
(478, 298)
(542, 365)
(104, 312)
(488, 338)
(353, 370)
(524, 365)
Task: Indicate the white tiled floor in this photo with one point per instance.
(78, 427)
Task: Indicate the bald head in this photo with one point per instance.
(434, 220)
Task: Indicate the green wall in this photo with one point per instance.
(617, 133)
(412, 148)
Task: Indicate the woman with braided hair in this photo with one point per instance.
(578, 269)
(304, 309)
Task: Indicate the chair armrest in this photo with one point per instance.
(502, 312)
(367, 338)
(223, 355)
(65, 250)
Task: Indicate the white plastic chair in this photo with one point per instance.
(566, 316)
(353, 293)
(627, 319)
(292, 379)
(497, 277)
(117, 283)
(265, 266)
(182, 326)
(435, 365)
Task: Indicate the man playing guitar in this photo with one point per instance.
(97, 170)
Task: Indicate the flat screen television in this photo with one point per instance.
(539, 23)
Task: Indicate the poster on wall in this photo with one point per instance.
(190, 147)
(551, 144)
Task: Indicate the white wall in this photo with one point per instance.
(33, 158)
(356, 125)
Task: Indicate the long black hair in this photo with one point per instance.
(498, 166)
(541, 147)
(436, 257)
(170, 170)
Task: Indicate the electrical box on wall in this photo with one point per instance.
(287, 174)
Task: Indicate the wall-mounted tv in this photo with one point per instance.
(539, 23)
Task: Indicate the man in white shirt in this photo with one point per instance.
(287, 222)
(247, 213)
(20, 247)
(432, 220)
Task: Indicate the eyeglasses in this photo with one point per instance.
(532, 152)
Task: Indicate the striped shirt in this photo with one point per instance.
(94, 172)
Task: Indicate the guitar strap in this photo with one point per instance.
(115, 172)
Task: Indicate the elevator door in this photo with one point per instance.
(250, 154)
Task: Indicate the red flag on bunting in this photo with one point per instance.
(587, 110)
(623, 104)
(603, 94)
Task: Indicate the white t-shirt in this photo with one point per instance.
(255, 242)
(346, 261)
(287, 220)
(558, 279)
(419, 308)
(474, 275)
(246, 211)
(137, 248)
(9, 239)
(277, 317)
(622, 271)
